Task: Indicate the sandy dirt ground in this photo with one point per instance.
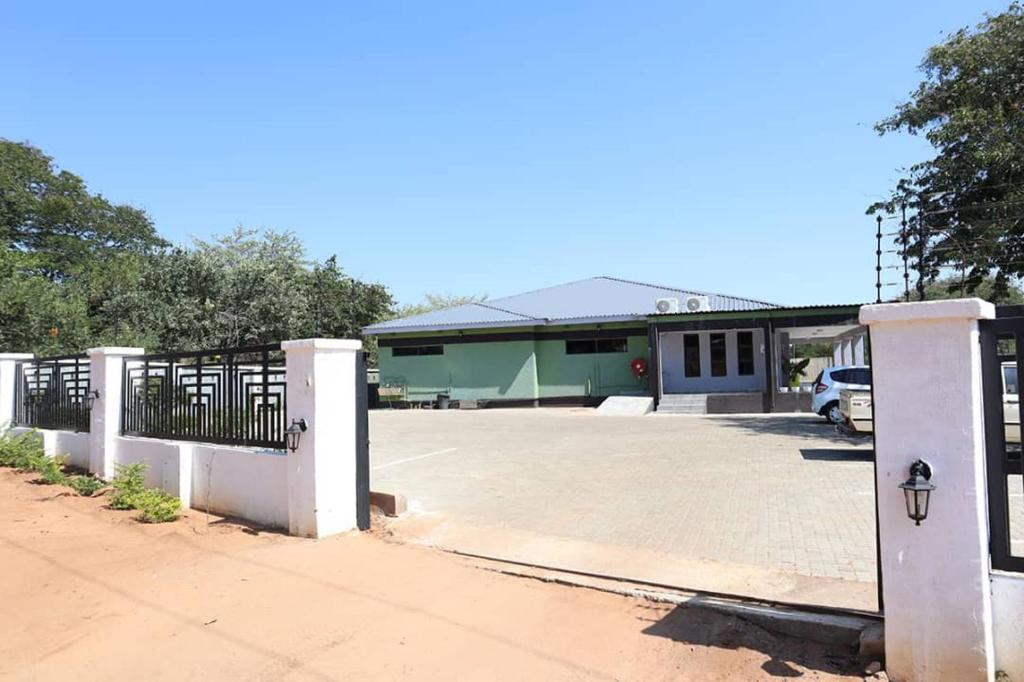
(87, 593)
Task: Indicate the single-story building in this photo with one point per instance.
(579, 342)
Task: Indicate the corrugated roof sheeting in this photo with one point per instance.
(592, 300)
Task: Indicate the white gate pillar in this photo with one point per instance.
(321, 376)
(8, 369)
(926, 369)
(106, 369)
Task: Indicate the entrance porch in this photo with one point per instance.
(718, 366)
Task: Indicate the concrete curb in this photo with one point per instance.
(392, 504)
(834, 626)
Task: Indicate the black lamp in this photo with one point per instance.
(294, 432)
(91, 397)
(918, 490)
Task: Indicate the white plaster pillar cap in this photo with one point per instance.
(16, 356)
(116, 350)
(956, 308)
(350, 345)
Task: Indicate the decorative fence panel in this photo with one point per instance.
(232, 396)
(53, 393)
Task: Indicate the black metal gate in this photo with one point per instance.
(1002, 364)
(362, 446)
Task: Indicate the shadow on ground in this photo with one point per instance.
(796, 426)
(787, 656)
(838, 454)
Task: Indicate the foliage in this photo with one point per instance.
(77, 271)
(432, 302)
(19, 452)
(955, 287)
(244, 288)
(795, 369)
(51, 214)
(156, 506)
(130, 492)
(968, 198)
(129, 482)
(85, 485)
(25, 453)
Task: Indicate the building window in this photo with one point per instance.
(718, 366)
(745, 352)
(406, 351)
(589, 346)
(691, 355)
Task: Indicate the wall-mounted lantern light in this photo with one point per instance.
(91, 397)
(918, 490)
(294, 432)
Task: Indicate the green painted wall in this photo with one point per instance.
(488, 370)
(597, 374)
(513, 370)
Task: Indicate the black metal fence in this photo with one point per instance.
(52, 393)
(1002, 367)
(231, 396)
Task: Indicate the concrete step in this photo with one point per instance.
(684, 403)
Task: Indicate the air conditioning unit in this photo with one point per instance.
(697, 304)
(667, 306)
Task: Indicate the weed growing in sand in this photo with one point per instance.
(25, 453)
(20, 451)
(129, 482)
(130, 492)
(85, 486)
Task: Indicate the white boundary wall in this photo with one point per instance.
(309, 492)
(1008, 622)
(71, 443)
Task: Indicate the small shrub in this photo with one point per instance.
(156, 506)
(20, 451)
(86, 486)
(51, 469)
(129, 482)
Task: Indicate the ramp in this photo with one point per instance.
(626, 404)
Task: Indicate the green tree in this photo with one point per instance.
(432, 302)
(50, 213)
(36, 314)
(242, 288)
(969, 198)
(955, 287)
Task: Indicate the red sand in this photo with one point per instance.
(88, 593)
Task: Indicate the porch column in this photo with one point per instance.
(928, 405)
(106, 372)
(321, 377)
(653, 367)
(837, 353)
(858, 349)
(8, 369)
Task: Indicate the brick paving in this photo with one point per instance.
(784, 492)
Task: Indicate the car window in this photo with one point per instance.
(841, 375)
(861, 375)
(1010, 380)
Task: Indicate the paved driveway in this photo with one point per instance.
(780, 492)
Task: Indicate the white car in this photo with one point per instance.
(858, 416)
(1011, 403)
(828, 384)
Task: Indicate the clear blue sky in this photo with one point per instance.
(493, 147)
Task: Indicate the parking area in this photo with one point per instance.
(775, 506)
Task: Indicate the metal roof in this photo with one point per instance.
(594, 300)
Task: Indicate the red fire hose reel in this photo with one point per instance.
(638, 366)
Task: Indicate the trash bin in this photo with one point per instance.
(442, 401)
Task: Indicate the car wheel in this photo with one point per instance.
(833, 414)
